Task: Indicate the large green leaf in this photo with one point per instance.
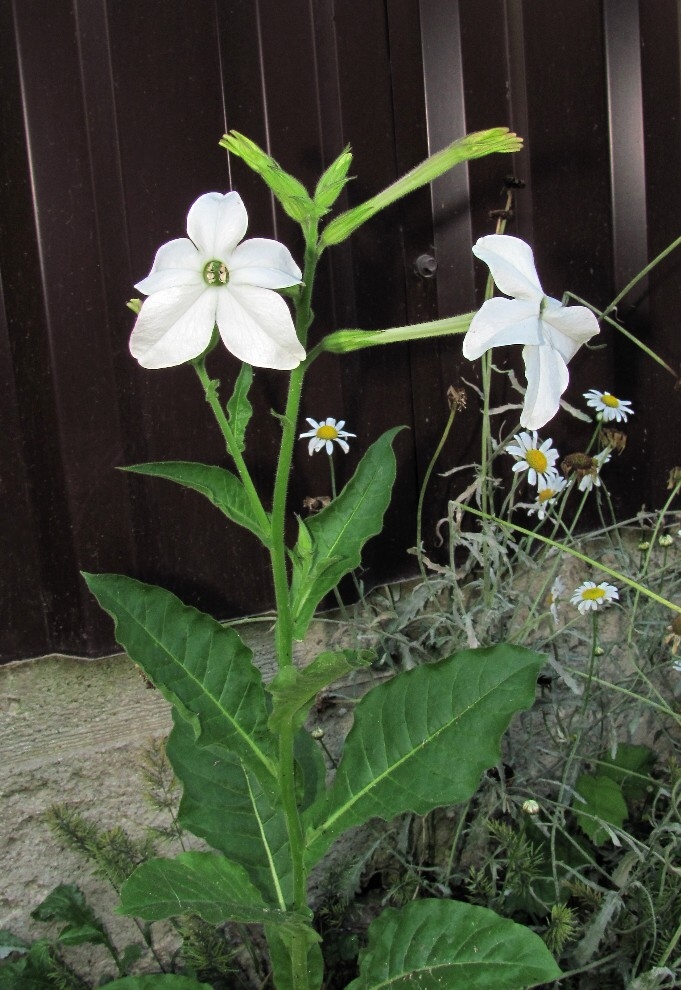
(422, 739)
(200, 883)
(219, 485)
(339, 531)
(223, 803)
(434, 944)
(203, 668)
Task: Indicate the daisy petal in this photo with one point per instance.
(547, 378)
(217, 223)
(174, 326)
(511, 263)
(263, 262)
(499, 322)
(256, 326)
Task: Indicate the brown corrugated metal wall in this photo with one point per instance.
(111, 114)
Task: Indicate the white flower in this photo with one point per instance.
(592, 478)
(324, 433)
(210, 278)
(537, 460)
(552, 333)
(545, 496)
(608, 407)
(554, 597)
(590, 597)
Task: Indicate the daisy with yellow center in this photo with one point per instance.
(592, 597)
(547, 496)
(324, 434)
(535, 458)
(608, 407)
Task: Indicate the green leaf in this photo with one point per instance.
(294, 690)
(340, 531)
(629, 764)
(200, 883)
(219, 485)
(421, 740)
(67, 903)
(432, 944)
(164, 981)
(217, 788)
(602, 799)
(200, 666)
(239, 409)
(278, 943)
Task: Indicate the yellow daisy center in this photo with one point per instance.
(544, 495)
(537, 460)
(327, 432)
(593, 594)
(610, 400)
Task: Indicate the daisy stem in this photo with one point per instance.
(210, 388)
(426, 479)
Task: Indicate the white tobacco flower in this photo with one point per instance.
(546, 496)
(537, 460)
(552, 333)
(591, 597)
(608, 407)
(212, 279)
(325, 434)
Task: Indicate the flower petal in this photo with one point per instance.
(568, 327)
(547, 379)
(260, 261)
(217, 223)
(511, 263)
(256, 326)
(174, 326)
(176, 263)
(499, 322)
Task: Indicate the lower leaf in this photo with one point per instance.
(433, 944)
(200, 883)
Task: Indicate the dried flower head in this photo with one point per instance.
(615, 439)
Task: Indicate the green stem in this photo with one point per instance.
(426, 479)
(284, 624)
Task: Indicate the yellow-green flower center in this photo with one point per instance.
(216, 273)
(537, 460)
(544, 495)
(610, 400)
(327, 432)
(593, 594)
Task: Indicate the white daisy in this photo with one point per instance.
(591, 597)
(324, 433)
(538, 460)
(608, 407)
(546, 496)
